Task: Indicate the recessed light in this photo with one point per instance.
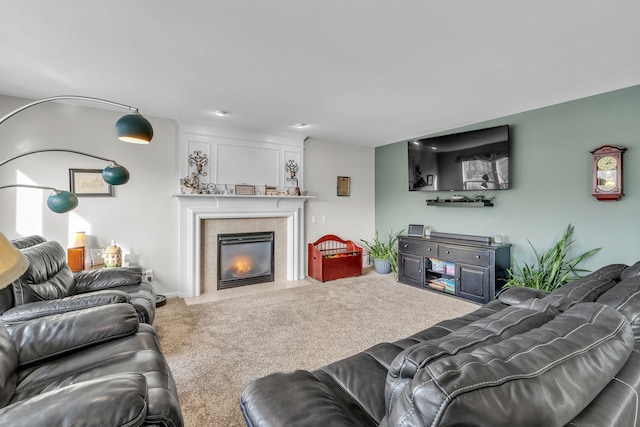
(220, 113)
(300, 125)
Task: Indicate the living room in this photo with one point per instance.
(551, 136)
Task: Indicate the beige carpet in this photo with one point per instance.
(215, 349)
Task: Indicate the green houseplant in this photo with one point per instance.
(552, 269)
(384, 253)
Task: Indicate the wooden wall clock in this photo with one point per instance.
(607, 173)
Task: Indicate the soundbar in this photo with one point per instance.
(469, 237)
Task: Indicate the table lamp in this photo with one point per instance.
(12, 262)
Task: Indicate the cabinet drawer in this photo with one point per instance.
(467, 256)
(418, 247)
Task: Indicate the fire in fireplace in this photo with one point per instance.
(245, 259)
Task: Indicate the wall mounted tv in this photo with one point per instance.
(476, 160)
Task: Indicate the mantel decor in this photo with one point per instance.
(245, 190)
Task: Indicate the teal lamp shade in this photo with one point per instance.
(134, 128)
(115, 174)
(62, 201)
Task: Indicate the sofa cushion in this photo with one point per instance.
(491, 329)
(108, 278)
(625, 297)
(25, 242)
(114, 400)
(631, 271)
(8, 366)
(34, 310)
(546, 367)
(53, 336)
(518, 294)
(587, 288)
(48, 276)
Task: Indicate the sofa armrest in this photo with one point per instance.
(94, 280)
(518, 294)
(114, 400)
(298, 399)
(49, 337)
(35, 310)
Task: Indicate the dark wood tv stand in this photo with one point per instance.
(473, 264)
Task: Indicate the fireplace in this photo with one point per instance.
(197, 253)
(245, 259)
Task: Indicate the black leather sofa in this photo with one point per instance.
(525, 359)
(95, 367)
(49, 287)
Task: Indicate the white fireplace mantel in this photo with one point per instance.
(197, 207)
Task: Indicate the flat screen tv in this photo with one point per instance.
(476, 160)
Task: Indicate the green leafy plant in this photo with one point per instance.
(552, 268)
(384, 250)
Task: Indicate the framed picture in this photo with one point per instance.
(429, 179)
(344, 183)
(245, 190)
(416, 230)
(89, 182)
(96, 257)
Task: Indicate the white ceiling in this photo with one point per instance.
(367, 72)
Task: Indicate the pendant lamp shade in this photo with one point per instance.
(115, 174)
(134, 128)
(62, 201)
(12, 262)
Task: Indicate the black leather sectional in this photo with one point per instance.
(79, 350)
(525, 359)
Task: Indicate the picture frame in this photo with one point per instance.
(344, 186)
(245, 190)
(416, 230)
(89, 183)
(97, 257)
(429, 179)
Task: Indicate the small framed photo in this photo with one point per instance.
(416, 230)
(97, 257)
(245, 190)
(344, 184)
(89, 182)
(429, 179)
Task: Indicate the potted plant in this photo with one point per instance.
(552, 268)
(384, 253)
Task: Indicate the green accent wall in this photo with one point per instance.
(551, 181)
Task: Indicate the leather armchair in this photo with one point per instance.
(49, 287)
(92, 367)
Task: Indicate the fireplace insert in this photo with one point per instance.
(245, 259)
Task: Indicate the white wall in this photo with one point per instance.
(142, 217)
(349, 217)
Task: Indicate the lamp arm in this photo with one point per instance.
(57, 98)
(44, 150)
(39, 187)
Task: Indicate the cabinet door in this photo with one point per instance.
(411, 269)
(472, 282)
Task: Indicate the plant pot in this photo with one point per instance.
(382, 266)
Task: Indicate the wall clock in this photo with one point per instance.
(607, 172)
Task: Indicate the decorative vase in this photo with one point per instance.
(113, 255)
(382, 266)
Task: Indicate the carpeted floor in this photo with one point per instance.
(215, 349)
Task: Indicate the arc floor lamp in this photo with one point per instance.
(133, 128)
